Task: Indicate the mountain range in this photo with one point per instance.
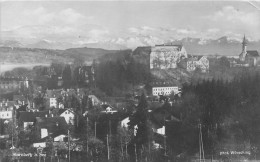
(198, 46)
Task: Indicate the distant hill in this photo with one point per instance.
(222, 46)
(106, 45)
(199, 46)
(35, 55)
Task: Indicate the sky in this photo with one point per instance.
(129, 23)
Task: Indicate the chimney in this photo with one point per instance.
(51, 115)
(46, 116)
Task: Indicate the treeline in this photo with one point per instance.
(228, 112)
(119, 73)
(116, 73)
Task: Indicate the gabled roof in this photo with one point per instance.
(19, 98)
(94, 97)
(199, 57)
(196, 57)
(54, 125)
(179, 47)
(25, 116)
(162, 113)
(252, 53)
(171, 83)
(63, 110)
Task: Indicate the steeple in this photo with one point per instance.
(244, 51)
(244, 43)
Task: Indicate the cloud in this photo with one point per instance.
(230, 15)
(41, 16)
(97, 33)
(41, 23)
(141, 30)
(186, 31)
(228, 18)
(213, 30)
(71, 16)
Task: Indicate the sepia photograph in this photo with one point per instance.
(129, 81)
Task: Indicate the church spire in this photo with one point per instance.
(244, 51)
(244, 43)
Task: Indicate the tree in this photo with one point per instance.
(124, 137)
(143, 136)
(39, 101)
(67, 76)
(56, 68)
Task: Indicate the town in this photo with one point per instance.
(129, 81)
(141, 105)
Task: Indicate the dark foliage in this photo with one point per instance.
(228, 111)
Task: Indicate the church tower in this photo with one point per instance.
(244, 50)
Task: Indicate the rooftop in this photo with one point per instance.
(253, 53)
(25, 116)
(54, 125)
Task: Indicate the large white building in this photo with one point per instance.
(166, 56)
(166, 91)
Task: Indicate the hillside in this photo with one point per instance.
(30, 55)
(200, 46)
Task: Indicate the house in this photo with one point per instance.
(237, 63)
(7, 105)
(27, 119)
(13, 83)
(6, 114)
(51, 96)
(6, 109)
(108, 109)
(251, 57)
(166, 56)
(40, 144)
(124, 122)
(9, 83)
(60, 138)
(162, 119)
(160, 131)
(164, 88)
(196, 62)
(20, 99)
(50, 126)
(68, 114)
(95, 100)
